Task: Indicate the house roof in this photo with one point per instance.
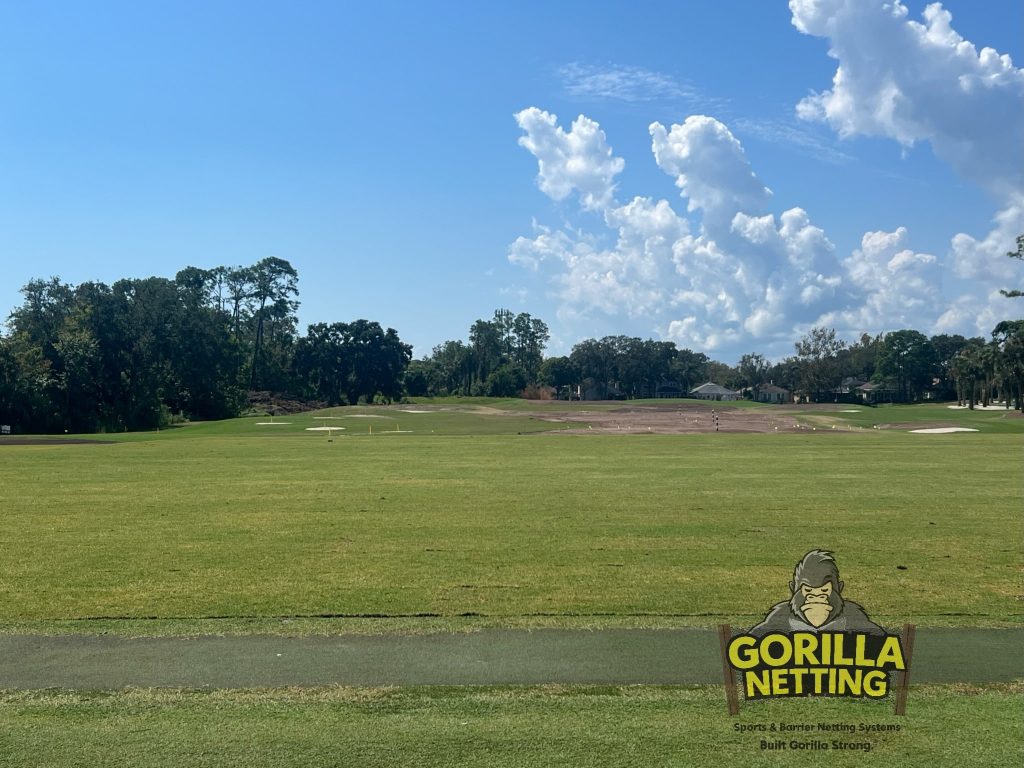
(711, 389)
(848, 384)
(872, 386)
(774, 388)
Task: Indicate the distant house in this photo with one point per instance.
(712, 391)
(770, 393)
(849, 386)
(877, 393)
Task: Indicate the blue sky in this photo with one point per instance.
(386, 153)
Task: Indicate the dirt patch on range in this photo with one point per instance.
(676, 419)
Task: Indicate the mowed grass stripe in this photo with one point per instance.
(526, 727)
(508, 525)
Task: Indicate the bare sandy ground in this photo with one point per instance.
(670, 418)
(675, 418)
(701, 418)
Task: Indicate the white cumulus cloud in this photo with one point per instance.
(798, 271)
(896, 286)
(983, 269)
(753, 279)
(977, 314)
(985, 260)
(745, 275)
(749, 278)
(709, 166)
(919, 81)
(629, 278)
(578, 160)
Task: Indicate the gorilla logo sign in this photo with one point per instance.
(816, 643)
(817, 603)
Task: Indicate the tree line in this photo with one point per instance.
(142, 352)
(503, 358)
(907, 366)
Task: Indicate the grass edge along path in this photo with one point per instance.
(637, 726)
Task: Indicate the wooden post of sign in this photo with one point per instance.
(904, 676)
(731, 697)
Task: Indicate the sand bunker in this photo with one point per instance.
(365, 416)
(942, 430)
(411, 410)
(323, 429)
(850, 410)
(979, 408)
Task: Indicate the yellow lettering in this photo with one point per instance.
(863, 660)
(760, 681)
(742, 653)
(798, 681)
(849, 681)
(838, 659)
(876, 683)
(785, 650)
(818, 672)
(779, 682)
(804, 647)
(806, 663)
(891, 653)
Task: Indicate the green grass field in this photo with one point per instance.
(1001, 421)
(471, 517)
(637, 727)
(250, 523)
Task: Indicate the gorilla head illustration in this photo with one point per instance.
(816, 603)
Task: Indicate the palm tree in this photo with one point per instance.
(1008, 337)
(989, 359)
(968, 370)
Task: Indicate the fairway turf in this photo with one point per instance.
(641, 727)
(222, 523)
(907, 417)
(472, 517)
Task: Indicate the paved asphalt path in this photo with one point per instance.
(490, 657)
